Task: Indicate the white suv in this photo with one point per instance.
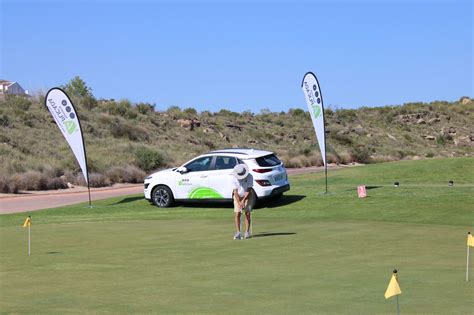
(209, 177)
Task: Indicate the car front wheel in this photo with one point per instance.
(162, 196)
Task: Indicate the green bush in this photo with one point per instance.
(148, 159)
(17, 102)
(190, 111)
(361, 154)
(296, 112)
(80, 93)
(4, 120)
(145, 108)
(441, 139)
(228, 113)
(342, 139)
(347, 115)
(120, 108)
(121, 128)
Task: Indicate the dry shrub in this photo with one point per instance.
(316, 160)
(294, 162)
(69, 177)
(115, 174)
(345, 158)
(4, 188)
(332, 157)
(305, 161)
(33, 180)
(134, 175)
(51, 171)
(7, 186)
(56, 183)
(302, 161)
(96, 180)
(128, 174)
(14, 183)
(383, 158)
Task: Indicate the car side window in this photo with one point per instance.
(225, 163)
(199, 165)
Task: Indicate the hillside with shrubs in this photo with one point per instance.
(125, 141)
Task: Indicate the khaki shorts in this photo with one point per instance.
(248, 204)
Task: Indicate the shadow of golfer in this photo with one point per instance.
(264, 234)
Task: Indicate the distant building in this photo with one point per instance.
(12, 88)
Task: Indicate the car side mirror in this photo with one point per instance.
(182, 170)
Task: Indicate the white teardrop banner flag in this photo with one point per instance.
(64, 113)
(314, 99)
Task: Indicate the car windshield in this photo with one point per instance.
(268, 160)
(201, 164)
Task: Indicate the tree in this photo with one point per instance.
(78, 89)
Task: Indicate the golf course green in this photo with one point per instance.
(312, 253)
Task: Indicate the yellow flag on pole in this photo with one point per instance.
(393, 288)
(470, 240)
(27, 222)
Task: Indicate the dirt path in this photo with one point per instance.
(36, 200)
(42, 200)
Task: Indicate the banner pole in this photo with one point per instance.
(89, 189)
(326, 173)
(325, 154)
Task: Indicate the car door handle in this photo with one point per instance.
(203, 176)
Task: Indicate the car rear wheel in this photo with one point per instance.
(162, 196)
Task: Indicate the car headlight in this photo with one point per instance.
(149, 177)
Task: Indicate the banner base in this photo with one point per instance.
(326, 193)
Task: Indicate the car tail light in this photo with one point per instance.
(262, 170)
(263, 182)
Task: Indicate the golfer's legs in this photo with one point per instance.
(237, 220)
(237, 214)
(248, 206)
(247, 221)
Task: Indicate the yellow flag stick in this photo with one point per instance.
(470, 242)
(28, 225)
(393, 289)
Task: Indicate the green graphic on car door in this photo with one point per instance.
(204, 193)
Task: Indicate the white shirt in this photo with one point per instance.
(242, 185)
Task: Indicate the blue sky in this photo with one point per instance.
(243, 55)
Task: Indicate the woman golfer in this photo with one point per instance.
(244, 198)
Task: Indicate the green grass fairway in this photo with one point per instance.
(312, 253)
